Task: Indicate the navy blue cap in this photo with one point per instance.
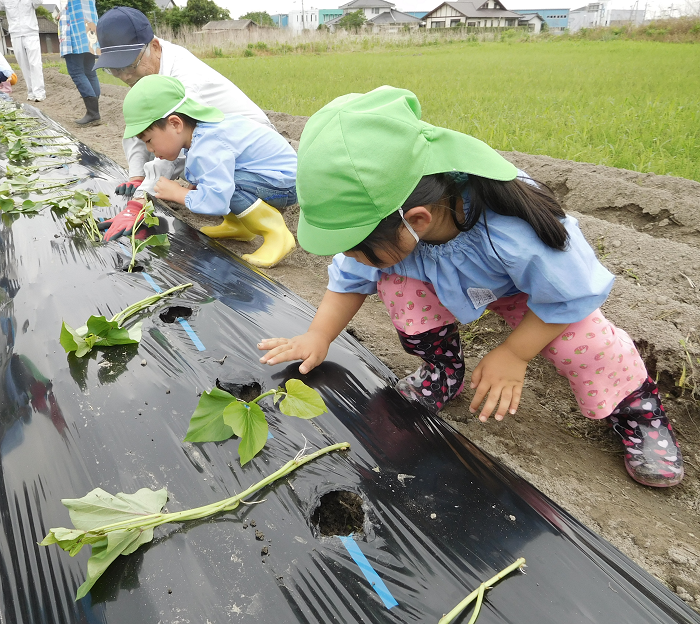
(122, 33)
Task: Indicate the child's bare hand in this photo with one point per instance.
(169, 190)
(500, 374)
(311, 347)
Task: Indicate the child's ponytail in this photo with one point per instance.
(535, 204)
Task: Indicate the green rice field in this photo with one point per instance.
(628, 104)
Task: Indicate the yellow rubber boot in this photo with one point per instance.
(263, 219)
(231, 227)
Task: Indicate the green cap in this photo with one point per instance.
(155, 97)
(362, 155)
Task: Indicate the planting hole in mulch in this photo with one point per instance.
(244, 392)
(339, 513)
(173, 313)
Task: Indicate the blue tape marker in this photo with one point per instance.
(186, 326)
(190, 332)
(367, 569)
(152, 282)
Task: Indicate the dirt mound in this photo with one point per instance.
(645, 230)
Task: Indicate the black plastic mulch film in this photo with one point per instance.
(440, 516)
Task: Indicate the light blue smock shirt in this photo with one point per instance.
(220, 149)
(563, 286)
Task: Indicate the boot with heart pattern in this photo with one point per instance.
(440, 377)
(652, 454)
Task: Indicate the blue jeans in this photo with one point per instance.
(80, 69)
(251, 186)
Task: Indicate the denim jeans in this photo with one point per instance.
(80, 68)
(251, 186)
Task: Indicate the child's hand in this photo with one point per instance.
(500, 374)
(169, 190)
(312, 347)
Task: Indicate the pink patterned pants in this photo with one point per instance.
(598, 359)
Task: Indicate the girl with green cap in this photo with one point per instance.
(441, 227)
(236, 168)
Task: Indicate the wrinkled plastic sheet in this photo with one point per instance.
(441, 516)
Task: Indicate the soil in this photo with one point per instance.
(646, 230)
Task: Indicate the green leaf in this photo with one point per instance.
(248, 423)
(71, 340)
(207, 423)
(302, 401)
(7, 204)
(156, 240)
(105, 552)
(102, 200)
(99, 508)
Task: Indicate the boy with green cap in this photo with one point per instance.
(441, 227)
(235, 167)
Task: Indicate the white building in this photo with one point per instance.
(298, 21)
(590, 16)
(621, 17)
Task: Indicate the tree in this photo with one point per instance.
(261, 18)
(174, 18)
(42, 11)
(147, 7)
(352, 21)
(199, 12)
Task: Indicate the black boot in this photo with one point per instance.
(440, 378)
(652, 454)
(93, 112)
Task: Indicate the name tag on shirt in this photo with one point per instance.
(481, 297)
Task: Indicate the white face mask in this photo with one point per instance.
(408, 226)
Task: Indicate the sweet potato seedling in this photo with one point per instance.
(146, 217)
(118, 525)
(220, 415)
(99, 332)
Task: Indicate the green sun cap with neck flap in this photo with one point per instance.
(362, 155)
(155, 97)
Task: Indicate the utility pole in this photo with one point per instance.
(303, 26)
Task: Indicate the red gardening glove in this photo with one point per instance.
(127, 189)
(123, 223)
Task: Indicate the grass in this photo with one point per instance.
(628, 104)
(621, 103)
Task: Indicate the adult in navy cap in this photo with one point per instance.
(130, 51)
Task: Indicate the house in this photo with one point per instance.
(557, 20)
(393, 21)
(308, 20)
(490, 14)
(371, 8)
(229, 25)
(163, 4)
(532, 21)
(48, 36)
(418, 14)
(590, 16)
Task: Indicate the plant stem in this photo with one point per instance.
(445, 619)
(139, 217)
(228, 504)
(262, 396)
(145, 303)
